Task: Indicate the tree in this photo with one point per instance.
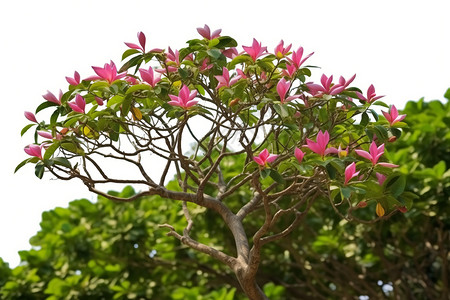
(255, 120)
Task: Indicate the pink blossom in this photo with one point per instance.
(30, 116)
(131, 80)
(282, 89)
(289, 71)
(297, 57)
(50, 97)
(206, 32)
(327, 88)
(264, 158)
(280, 51)
(75, 80)
(320, 147)
(392, 116)
(345, 83)
(149, 76)
(34, 150)
(141, 46)
(205, 65)
(350, 172)
(224, 79)
(374, 155)
(381, 178)
(184, 98)
(299, 154)
(108, 73)
(256, 50)
(78, 105)
(371, 96)
(230, 52)
(49, 136)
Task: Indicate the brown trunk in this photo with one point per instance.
(249, 285)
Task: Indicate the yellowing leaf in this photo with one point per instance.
(89, 132)
(136, 113)
(379, 210)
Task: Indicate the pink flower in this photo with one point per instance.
(320, 147)
(149, 76)
(224, 80)
(75, 80)
(289, 71)
(108, 73)
(264, 158)
(206, 32)
(34, 150)
(50, 97)
(299, 154)
(99, 100)
(374, 154)
(230, 52)
(280, 51)
(371, 96)
(327, 88)
(30, 116)
(297, 56)
(381, 178)
(392, 117)
(205, 65)
(350, 172)
(256, 50)
(78, 105)
(184, 98)
(141, 46)
(282, 89)
(49, 136)
(345, 83)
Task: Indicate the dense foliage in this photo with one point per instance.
(269, 148)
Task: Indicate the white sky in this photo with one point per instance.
(402, 47)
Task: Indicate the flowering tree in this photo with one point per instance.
(201, 108)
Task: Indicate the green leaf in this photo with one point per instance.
(364, 119)
(447, 94)
(50, 150)
(45, 105)
(395, 184)
(129, 52)
(226, 41)
(25, 129)
(381, 103)
(54, 117)
(138, 87)
(264, 173)
(346, 192)
(26, 161)
(276, 176)
(62, 162)
(215, 53)
(282, 110)
(39, 170)
(115, 101)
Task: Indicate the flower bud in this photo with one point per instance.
(362, 204)
(392, 139)
(402, 209)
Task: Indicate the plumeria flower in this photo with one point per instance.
(297, 57)
(224, 79)
(30, 116)
(299, 154)
(78, 105)
(320, 147)
(206, 32)
(184, 98)
(149, 76)
(256, 50)
(108, 73)
(264, 158)
(392, 116)
(371, 96)
(327, 88)
(34, 150)
(75, 80)
(374, 154)
(49, 136)
(282, 89)
(50, 97)
(280, 51)
(350, 172)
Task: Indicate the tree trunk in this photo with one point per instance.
(249, 285)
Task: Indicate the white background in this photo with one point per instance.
(402, 47)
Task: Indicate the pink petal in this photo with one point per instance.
(299, 154)
(259, 161)
(30, 116)
(388, 165)
(271, 158)
(364, 154)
